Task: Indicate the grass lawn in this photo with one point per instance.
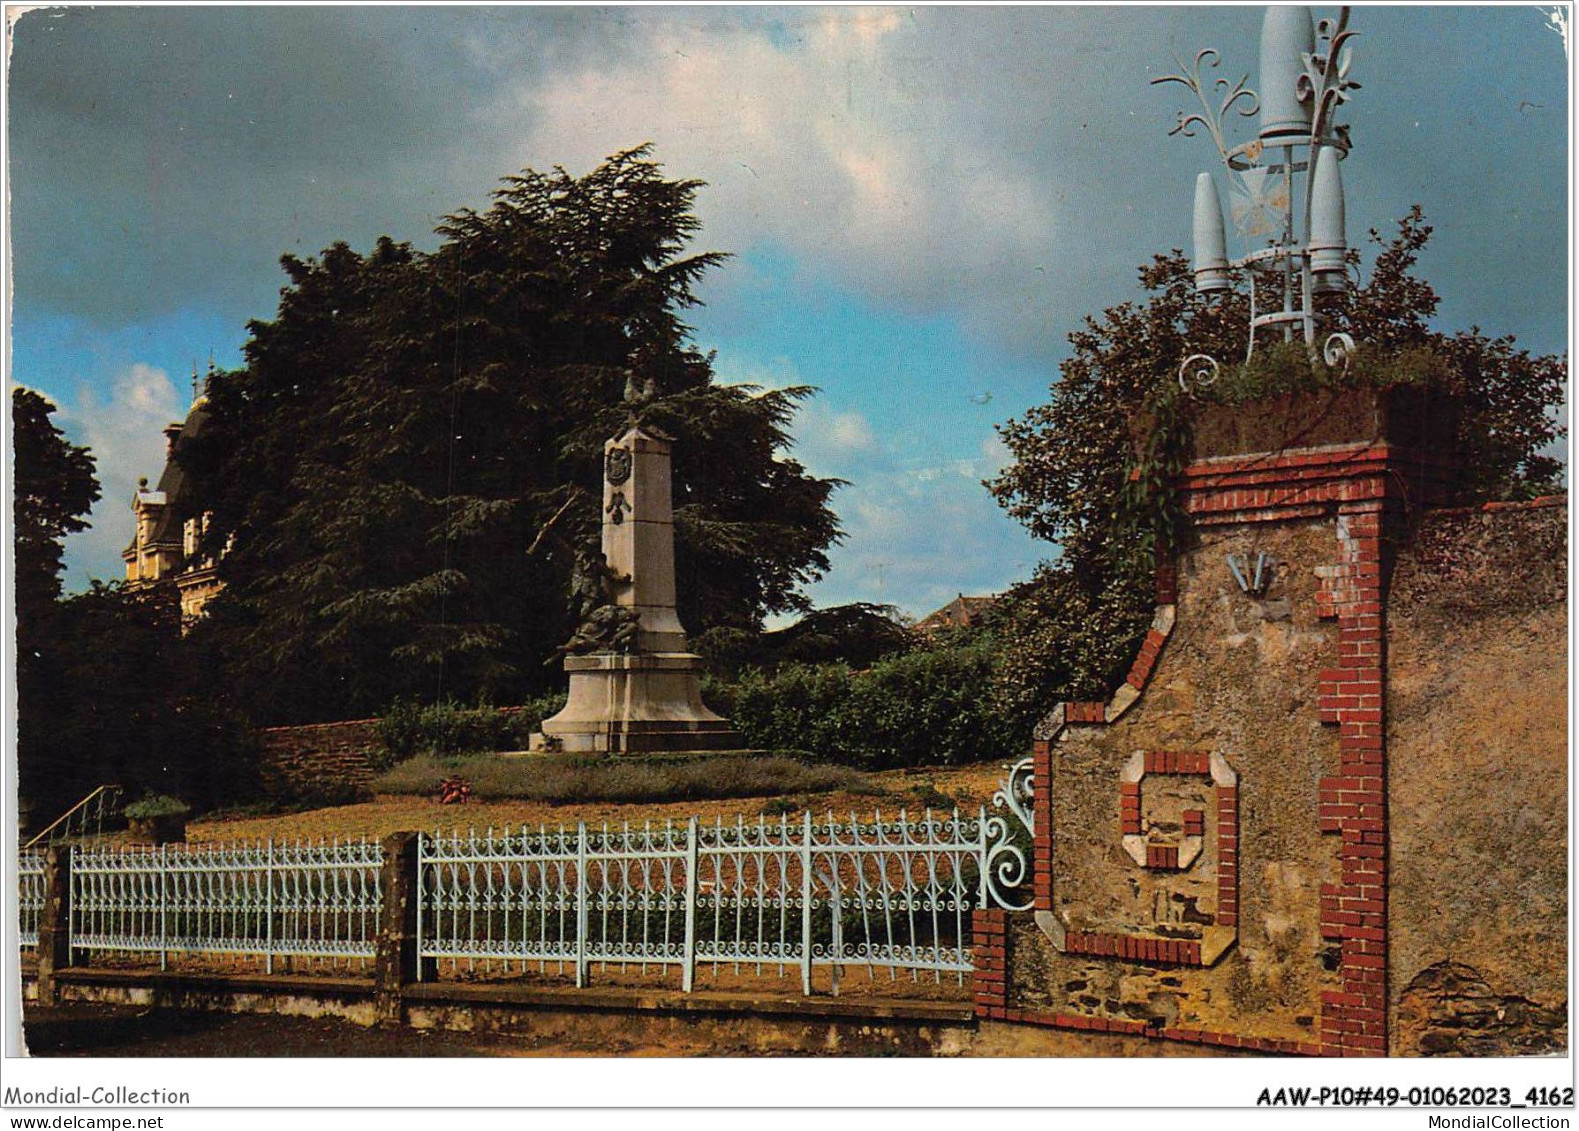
(846, 793)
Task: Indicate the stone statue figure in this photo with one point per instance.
(605, 626)
(594, 583)
(610, 628)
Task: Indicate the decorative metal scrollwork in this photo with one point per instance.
(1016, 793)
(1005, 867)
(1210, 116)
(1326, 83)
(1338, 350)
(1198, 371)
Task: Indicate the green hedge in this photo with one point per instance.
(449, 729)
(924, 708)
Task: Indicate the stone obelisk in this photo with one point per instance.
(646, 695)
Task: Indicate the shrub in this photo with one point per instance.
(924, 708)
(857, 634)
(450, 729)
(156, 805)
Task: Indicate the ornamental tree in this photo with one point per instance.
(1087, 477)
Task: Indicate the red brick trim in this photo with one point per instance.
(1085, 712)
(1129, 809)
(990, 960)
(1140, 672)
(1228, 856)
(1135, 948)
(1042, 839)
(1353, 802)
(1276, 486)
(1178, 762)
(1146, 659)
(1162, 857)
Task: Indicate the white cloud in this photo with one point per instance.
(827, 440)
(920, 548)
(830, 442)
(833, 146)
(126, 434)
(774, 373)
(995, 455)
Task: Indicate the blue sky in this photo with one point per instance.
(922, 202)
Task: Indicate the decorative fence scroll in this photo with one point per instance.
(30, 896)
(781, 897)
(767, 896)
(314, 900)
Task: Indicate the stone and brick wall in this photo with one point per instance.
(1228, 948)
(323, 761)
(1386, 870)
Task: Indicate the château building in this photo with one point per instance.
(169, 525)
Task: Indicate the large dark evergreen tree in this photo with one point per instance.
(409, 423)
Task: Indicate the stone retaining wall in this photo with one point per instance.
(323, 762)
(326, 761)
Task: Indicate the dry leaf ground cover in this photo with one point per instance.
(858, 793)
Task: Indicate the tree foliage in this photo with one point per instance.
(54, 488)
(107, 692)
(856, 635)
(127, 701)
(410, 422)
(1087, 476)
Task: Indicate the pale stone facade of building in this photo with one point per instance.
(169, 526)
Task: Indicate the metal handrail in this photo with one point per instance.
(99, 792)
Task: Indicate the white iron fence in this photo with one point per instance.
(30, 895)
(779, 897)
(303, 899)
(766, 896)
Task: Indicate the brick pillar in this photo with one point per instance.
(395, 962)
(1354, 801)
(990, 959)
(54, 924)
(1042, 808)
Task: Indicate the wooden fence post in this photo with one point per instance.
(54, 923)
(397, 956)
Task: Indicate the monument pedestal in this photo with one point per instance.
(646, 698)
(634, 704)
